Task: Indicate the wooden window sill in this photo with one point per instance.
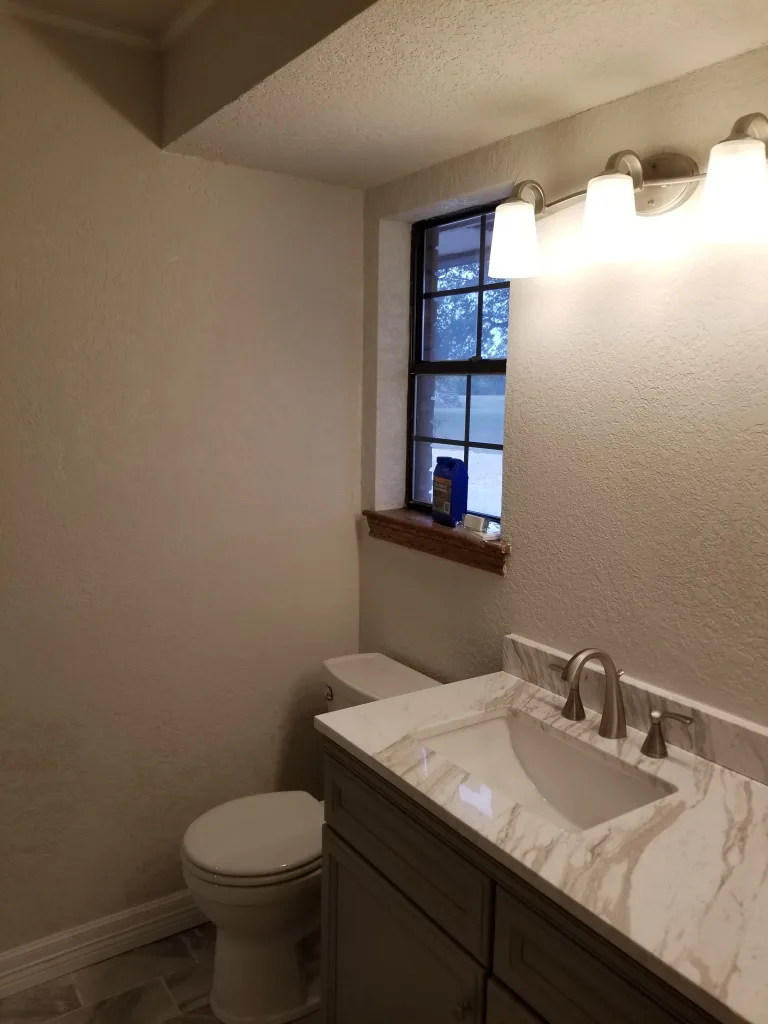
(413, 529)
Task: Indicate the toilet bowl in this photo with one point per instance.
(252, 866)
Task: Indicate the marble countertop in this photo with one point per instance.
(680, 884)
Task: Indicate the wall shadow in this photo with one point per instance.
(300, 758)
(127, 78)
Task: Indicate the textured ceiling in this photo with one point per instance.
(147, 17)
(408, 83)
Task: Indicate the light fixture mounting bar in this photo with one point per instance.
(662, 182)
(669, 180)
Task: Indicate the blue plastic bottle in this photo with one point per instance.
(449, 491)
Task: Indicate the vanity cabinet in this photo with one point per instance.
(390, 963)
(504, 1008)
(421, 927)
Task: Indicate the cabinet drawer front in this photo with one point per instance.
(439, 881)
(568, 983)
(504, 1008)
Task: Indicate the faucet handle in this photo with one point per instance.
(659, 716)
(655, 745)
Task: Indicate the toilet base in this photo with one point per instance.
(239, 990)
(312, 1004)
(266, 964)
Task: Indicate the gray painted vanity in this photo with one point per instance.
(421, 928)
(444, 900)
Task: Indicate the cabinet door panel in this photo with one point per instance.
(450, 890)
(385, 963)
(504, 1008)
(566, 983)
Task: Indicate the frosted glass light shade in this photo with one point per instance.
(610, 216)
(515, 245)
(735, 199)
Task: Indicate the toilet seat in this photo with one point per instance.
(259, 840)
(251, 881)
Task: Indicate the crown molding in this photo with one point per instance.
(85, 28)
(181, 23)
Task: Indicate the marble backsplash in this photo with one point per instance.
(715, 735)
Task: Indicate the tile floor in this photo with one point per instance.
(164, 982)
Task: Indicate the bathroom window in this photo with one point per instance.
(458, 358)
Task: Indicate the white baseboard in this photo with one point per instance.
(87, 944)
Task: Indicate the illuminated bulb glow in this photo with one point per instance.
(515, 245)
(735, 199)
(609, 216)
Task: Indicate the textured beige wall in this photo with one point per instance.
(636, 468)
(179, 414)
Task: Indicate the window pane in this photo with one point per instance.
(486, 410)
(441, 406)
(485, 481)
(450, 327)
(425, 455)
(452, 256)
(495, 323)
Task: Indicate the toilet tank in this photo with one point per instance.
(360, 678)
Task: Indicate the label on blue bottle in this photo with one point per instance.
(441, 495)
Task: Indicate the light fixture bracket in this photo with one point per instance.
(529, 185)
(750, 126)
(676, 170)
(626, 161)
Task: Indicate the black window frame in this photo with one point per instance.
(474, 366)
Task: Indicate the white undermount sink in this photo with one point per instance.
(551, 774)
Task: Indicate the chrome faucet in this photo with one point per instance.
(613, 724)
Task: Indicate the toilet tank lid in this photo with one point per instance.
(374, 675)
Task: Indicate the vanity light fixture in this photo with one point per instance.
(735, 199)
(515, 245)
(609, 207)
(736, 180)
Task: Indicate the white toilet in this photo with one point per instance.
(253, 868)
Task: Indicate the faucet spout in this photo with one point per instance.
(613, 724)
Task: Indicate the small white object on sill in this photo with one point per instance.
(480, 526)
